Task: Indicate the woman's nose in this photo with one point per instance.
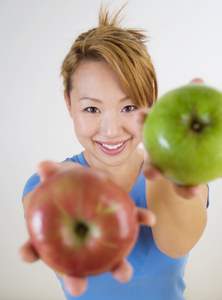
(110, 125)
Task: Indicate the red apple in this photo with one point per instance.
(81, 223)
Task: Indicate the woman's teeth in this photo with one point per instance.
(111, 147)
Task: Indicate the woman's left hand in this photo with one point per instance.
(152, 173)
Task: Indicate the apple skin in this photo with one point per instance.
(183, 134)
(81, 223)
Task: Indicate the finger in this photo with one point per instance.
(197, 81)
(47, 168)
(123, 272)
(186, 192)
(145, 216)
(75, 285)
(151, 172)
(28, 253)
(142, 114)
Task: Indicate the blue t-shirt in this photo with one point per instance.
(156, 275)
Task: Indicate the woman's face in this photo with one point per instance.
(104, 117)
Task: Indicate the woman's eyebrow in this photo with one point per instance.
(100, 101)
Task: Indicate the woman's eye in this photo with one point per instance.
(129, 108)
(91, 109)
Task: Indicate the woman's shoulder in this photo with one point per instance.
(30, 184)
(77, 158)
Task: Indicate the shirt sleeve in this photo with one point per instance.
(31, 183)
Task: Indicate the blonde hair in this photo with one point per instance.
(123, 49)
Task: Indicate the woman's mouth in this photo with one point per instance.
(112, 149)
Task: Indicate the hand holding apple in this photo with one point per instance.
(152, 171)
(183, 135)
(83, 237)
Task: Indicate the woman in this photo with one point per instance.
(109, 80)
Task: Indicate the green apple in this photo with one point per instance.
(183, 134)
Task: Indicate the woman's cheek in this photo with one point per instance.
(135, 127)
(86, 126)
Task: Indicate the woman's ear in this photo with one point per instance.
(68, 102)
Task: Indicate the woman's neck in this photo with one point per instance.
(124, 174)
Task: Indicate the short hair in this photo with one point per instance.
(123, 49)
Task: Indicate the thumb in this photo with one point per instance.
(197, 80)
(28, 253)
(47, 168)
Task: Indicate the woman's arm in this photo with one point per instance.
(180, 219)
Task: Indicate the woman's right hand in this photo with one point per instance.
(75, 285)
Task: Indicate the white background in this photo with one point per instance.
(185, 42)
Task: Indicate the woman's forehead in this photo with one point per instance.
(96, 79)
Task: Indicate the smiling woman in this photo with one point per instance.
(108, 77)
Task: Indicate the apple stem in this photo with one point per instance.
(197, 126)
(81, 229)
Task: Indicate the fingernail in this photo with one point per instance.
(150, 173)
(152, 219)
(197, 81)
(194, 190)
